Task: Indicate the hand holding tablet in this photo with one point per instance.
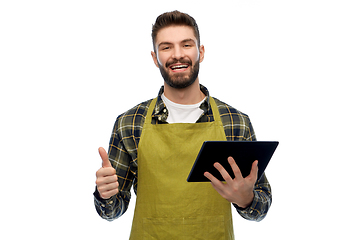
(238, 190)
(244, 153)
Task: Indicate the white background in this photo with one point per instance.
(69, 68)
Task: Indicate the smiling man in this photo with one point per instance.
(154, 145)
(178, 56)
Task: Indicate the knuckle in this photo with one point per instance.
(98, 173)
(101, 172)
(235, 190)
(100, 189)
(98, 182)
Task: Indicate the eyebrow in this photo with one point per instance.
(183, 41)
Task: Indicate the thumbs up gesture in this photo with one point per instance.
(106, 179)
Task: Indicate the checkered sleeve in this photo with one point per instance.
(123, 157)
(238, 127)
(257, 211)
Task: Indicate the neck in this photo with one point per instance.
(189, 95)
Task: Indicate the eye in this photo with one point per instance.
(165, 48)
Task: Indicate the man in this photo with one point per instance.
(154, 144)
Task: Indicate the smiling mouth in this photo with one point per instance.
(179, 67)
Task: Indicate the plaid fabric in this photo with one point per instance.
(125, 140)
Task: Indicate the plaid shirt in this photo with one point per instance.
(124, 143)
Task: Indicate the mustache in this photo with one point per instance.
(178, 61)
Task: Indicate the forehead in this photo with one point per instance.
(175, 34)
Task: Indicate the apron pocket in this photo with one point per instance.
(207, 227)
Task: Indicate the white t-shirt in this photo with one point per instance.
(179, 113)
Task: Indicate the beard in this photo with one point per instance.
(180, 80)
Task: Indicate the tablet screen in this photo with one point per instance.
(243, 152)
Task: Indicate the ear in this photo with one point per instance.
(202, 53)
(154, 57)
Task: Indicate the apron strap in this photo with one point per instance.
(215, 110)
(150, 111)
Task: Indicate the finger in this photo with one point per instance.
(103, 181)
(104, 157)
(235, 168)
(216, 183)
(108, 187)
(108, 194)
(108, 179)
(212, 179)
(105, 172)
(254, 170)
(223, 172)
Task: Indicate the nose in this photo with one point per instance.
(178, 53)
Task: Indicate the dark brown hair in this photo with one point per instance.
(174, 18)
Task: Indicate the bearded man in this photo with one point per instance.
(154, 144)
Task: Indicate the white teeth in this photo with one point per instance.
(179, 66)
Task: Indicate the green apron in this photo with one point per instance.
(167, 206)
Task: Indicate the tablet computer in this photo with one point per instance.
(243, 152)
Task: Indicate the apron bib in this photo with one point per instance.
(167, 206)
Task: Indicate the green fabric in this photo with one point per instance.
(167, 206)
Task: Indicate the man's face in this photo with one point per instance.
(178, 56)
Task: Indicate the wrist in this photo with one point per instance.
(244, 203)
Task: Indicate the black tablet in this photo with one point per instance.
(243, 152)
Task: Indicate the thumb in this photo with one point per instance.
(104, 157)
(254, 169)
